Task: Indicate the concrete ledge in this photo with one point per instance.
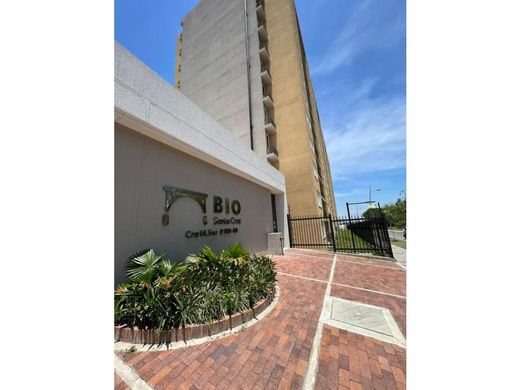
(274, 244)
(190, 332)
(362, 255)
(146, 103)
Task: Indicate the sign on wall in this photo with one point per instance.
(225, 212)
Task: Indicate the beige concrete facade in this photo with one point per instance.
(164, 144)
(294, 141)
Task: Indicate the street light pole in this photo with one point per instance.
(370, 194)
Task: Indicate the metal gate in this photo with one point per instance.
(341, 234)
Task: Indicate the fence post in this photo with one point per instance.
(385, 233)
(351, 232)
(290, 230)
(332, 232)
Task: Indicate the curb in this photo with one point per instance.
(197, 332)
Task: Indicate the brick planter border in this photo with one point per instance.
(193, 331)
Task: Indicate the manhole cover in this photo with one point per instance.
(359, 315)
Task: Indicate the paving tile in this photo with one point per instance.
(397, 306)
(304, 266)
(299, 307)
(392, 281)
(362, 372)
(274, 353)
(362, 260)
(119, 384)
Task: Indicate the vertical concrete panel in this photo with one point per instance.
(214, 62)
(143, 166)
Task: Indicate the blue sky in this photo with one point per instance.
(357, 56)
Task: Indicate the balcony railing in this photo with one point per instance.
(260, 11)
(262, 30)
(264, 53)
(267, 99)
(263, 45)
(269, 125)
(269, 121)
(272, 150)
(266, 76)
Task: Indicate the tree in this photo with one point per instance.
(396, 213)
(372, 212)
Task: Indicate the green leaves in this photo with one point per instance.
(144, 267)
(163, 294)
(234, 251)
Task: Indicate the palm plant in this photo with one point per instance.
(144, 266)
(234, 251)
(163, 294)
(148, 267)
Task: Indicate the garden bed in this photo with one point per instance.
(135, 335)
(207, 294)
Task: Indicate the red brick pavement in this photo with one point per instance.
(383, 279)
(309, 253)
(310, 267)
(274, 353)
(352, 361)
(119, 384)
(364, 260)
(271, 354)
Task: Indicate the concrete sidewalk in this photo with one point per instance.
(399, 254)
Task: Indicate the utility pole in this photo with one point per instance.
(370, 194)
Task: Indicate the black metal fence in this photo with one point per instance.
(341, 234)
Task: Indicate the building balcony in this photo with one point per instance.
(266, 76)
(270, 126)
(264, 53)
(267, 98)
(262, 32)
(260, 11)
(272, 153)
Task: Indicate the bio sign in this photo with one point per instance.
(226, 212)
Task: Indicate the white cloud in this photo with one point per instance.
(369, 136)
(362, 31)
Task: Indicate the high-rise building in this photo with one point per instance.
(243, 62)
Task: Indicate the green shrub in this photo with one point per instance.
(161, 294)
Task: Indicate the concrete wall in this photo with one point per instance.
(143, 166)
(214, 67)
(163, 138)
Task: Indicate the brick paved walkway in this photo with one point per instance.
(274, 353)
(119, 384)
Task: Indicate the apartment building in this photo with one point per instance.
(244, 63)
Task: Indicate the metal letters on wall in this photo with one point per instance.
(221, 205)
(174, 193)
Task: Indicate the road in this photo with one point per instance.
(396, 234)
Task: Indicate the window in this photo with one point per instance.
(320, 204)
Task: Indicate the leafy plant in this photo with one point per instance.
(234, 251)
(161, 294)
(131, 350)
